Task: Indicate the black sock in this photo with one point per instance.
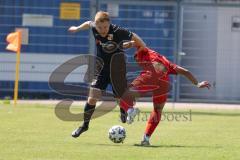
(88, 111)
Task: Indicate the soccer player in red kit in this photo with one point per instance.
(154, 78)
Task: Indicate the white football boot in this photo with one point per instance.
(131, 114)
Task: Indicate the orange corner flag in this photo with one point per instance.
(14, 39)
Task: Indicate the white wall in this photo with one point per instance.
(228, 55)
(199, 42)
(213, 51)
(36, 67)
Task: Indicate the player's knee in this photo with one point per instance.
(95, 93)
(92, 101)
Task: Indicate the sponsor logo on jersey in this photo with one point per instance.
(110, 37)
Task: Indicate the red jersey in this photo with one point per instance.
(151, 80)
(147, 57)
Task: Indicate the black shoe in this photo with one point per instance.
(123, 115)
(76, 133)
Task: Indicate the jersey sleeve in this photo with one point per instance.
(92, 24)
(124, 34)
(172, 68)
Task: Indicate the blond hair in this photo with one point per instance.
(102, 16)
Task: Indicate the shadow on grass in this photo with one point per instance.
(114, 145)
(175, 146)
(157, 146)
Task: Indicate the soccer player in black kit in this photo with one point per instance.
(108, 38)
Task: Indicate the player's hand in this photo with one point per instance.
(73, 29)
(128, 44)
(204, 84)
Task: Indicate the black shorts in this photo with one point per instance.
(114, 74)
(118, 82)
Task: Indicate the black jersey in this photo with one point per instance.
(111, 44)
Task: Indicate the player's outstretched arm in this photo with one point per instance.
(83, 26)
(133, 43)
(190, 76)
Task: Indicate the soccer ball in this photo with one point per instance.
(117, 134)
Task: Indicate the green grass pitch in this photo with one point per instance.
(33, 132)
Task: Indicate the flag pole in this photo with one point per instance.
(16, 78)
(17, 71)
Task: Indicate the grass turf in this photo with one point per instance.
(33, 132)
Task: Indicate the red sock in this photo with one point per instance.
(127, 101)
(153, 121)
(125, 105)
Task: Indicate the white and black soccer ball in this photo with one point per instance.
(117, 134)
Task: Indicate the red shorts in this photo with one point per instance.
(147, 83)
